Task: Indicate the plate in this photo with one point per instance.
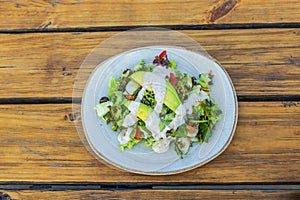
(102, 141)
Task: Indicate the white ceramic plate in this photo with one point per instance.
(103, 141)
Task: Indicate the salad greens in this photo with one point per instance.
(179, 110)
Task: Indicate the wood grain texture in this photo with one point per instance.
(259, 61)
(40, 14)
(153, 194)
(40, 143)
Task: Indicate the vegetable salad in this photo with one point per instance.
(156, 104)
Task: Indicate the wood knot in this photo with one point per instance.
(222, 9)
(67, 74)
(289, 104)
(71, 117)
(64, 69)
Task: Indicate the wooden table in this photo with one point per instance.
(42, 45)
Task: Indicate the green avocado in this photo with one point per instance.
(171, 100)
(143, 112)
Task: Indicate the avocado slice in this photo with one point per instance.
(171, 99)
(143, 113)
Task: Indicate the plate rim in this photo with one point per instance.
(111, 164)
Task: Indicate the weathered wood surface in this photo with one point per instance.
(259, 61)
(40, 14)
(40, 143)
(152, 194)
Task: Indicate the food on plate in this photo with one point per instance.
(158, 105)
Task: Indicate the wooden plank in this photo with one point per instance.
(40, 143)
(46, 64)
(152, 194)
(40, 14)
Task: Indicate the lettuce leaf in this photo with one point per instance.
(113, 85)
(204, 80)
(103, 108)
(129, 144)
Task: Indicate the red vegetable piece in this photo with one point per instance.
(137, 134)
(163, 54)
(130, 97)
(173, 79)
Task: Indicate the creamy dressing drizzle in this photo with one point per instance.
(162, 145)
(133, 107)
(157, 82)
(124, 138)
(152, 124)
(128, 122)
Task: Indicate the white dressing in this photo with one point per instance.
(193, 100)
(133, 107)
(152, 124)
(129, 120)
(162, 145)
(131, 87)
(158, 76)
(124, 138)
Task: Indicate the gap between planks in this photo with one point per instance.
(172, 27)
(62, 186)
(67, 100)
